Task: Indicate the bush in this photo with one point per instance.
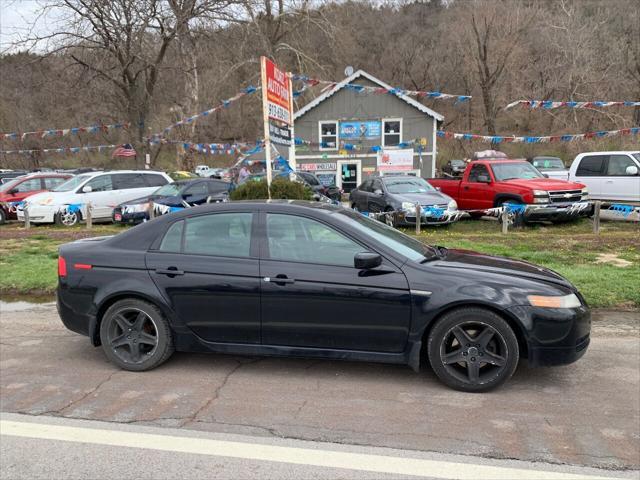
(281, 188)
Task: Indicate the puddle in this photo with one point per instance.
(19, 303)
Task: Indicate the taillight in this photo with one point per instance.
(62, 267)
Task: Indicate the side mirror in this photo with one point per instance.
(439, 189)
(13, 191)
(87, 189)
(632, 170)
(377, 191)
(545, 175)
(484, 179)
(367, 260)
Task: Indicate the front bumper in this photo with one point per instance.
(39, 213)
(129, 218)
(554, 336)
(557, 211)
(407, 219)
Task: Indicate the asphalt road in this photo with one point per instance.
(585, 414)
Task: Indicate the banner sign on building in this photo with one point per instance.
(278, 88)
(315, 167)
(280, 134)
(354, 130)
(395, 160)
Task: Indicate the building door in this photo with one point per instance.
(349, 174)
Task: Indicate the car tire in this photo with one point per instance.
(390, 219)
(518, 219)
(67, 219)
(135, 335)
(462, 339)
(3, 217)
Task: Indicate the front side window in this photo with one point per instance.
(512, 171)
(590, 166)
(219, 234)
(100, 184)
(328, 135)
(478, 171)
(391, 133)
(72, 183)
(216, 188)
(366, 186)
(618, 165)
(29, 185)
(300, 239)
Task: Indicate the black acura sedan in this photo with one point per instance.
(314, 280)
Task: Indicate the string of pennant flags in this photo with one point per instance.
(63, 132)
(86, 148)
(365, 89)
(538, 139)
(551, 104)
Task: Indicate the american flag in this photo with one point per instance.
(125, 150)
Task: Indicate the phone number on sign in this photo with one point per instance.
(276, 112)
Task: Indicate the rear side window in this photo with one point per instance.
(199, 188)
(53, 182)
(154, 180)
(590, 166)
(125, 181)
(172, 241)
(618, 165)
(218, 187)
(219, 234)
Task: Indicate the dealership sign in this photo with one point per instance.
(314, 167)
(353, 130)
(280, 134)
(277, 92)
(395, 160)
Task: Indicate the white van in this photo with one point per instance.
(609, 176)
(66, 204)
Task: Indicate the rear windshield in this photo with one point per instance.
(550, 163)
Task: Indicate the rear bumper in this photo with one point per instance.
(82, 320)
(555, 336)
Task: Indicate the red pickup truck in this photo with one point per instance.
(493, 182)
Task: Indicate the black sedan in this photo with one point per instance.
(400, 194)
(332, 192)
(177, 195)
(258, 278)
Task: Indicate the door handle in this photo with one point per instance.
(171, 271)
(465, 188)
(279, 280)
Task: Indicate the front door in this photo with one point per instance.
(476, 192)
(208, 271)
(312, 296)
(618, 184)
(349, 174)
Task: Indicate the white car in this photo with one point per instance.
(202, 170)
(67, 204)
(609, 176)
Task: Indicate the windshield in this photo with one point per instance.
(72, 183)
(457, 163)
(5, 187)
(637, 155)
(408, 185)
(550, 163)
(168, 190)
(513, 170)
(389, 236)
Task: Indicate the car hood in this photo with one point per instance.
(51, 198)
(545, 184)
(427, 198)
(466, 259)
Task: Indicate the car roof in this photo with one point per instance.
(44, 175)
(610, 152)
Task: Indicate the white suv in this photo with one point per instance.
(609, 176)
(67, 204)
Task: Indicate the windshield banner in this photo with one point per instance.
(395, 160)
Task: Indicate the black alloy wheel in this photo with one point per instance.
(135, 335)
(390, 217)
(473, 350)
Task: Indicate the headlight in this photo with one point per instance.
(453, 205)
(409, 206)
(566, 301)
(540, 196)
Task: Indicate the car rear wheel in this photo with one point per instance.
(68, 219)
(135, 335)
(3, 217)
(473, 350)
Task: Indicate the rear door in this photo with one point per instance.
(102, 196)
(313, 296)
(617, 184)
(475, 194)
(207, 269)
(377, 198)
(590, 171)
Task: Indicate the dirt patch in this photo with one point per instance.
(613, 259)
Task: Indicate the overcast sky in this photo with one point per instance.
(16, 18)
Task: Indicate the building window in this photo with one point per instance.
(328, 135)
(391, 132)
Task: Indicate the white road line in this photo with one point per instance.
(271, 453)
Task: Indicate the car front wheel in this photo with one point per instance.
(473, 350)
(135, 335)
(3, 217)
(68, 219)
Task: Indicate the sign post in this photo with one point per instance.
(277, 105)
